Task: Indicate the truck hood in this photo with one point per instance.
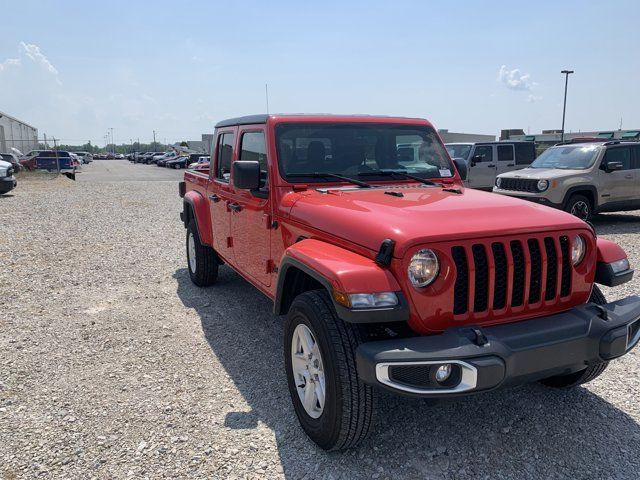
(542, 173)
(422, 215)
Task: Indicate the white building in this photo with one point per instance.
(17, 134)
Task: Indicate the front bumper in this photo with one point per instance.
(487, 358)
(7, 184)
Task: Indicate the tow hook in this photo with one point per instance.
(602, 312)
(476, 336)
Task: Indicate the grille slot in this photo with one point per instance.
(481, 266)
(535, 278)
(461, 287)
(565, 281)
(552, 269)
(500, 259)
(517, 298)
(524, 272)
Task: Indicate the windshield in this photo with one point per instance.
(352, 149)
(459, 151)
(568, 157)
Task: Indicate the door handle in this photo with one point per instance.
(511, 164)
(491, 165)
(234, 206)
(628, 176)
(214, 198)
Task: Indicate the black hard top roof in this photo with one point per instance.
(246, 120)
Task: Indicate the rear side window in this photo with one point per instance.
(505, 153)
(253, 148)
(619, 154)
(636, 154)
(525, 153)
(225, 152)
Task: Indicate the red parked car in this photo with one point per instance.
(391, 275)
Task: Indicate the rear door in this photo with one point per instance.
(506, 158)
(482, 167)
(618, 187)
(220, 190)
(251, 210)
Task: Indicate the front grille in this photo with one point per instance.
(9, 171)
(513, 273)
(519, 184)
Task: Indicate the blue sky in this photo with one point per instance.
(73, 69)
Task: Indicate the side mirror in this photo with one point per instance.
(612, 166)
(246, 175)
(461, 166)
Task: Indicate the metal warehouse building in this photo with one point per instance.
(15, 133)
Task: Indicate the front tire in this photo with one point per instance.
(334, 407)
(202, 260)
(580, 206)
(590, 373)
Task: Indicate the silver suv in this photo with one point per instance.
(580, 178)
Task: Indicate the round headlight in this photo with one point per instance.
(577, 250)
(498, 182)
(542, 185)
(423, 268)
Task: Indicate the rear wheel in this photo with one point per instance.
(589, 373)
(580, 206)
(202, 260)
(334, 407)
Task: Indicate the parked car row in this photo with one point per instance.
(108, 156)
(51, 160)
(171, 159)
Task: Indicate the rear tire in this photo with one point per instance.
(202, 260)
(590, 373)
(580, 206)
(345, 415)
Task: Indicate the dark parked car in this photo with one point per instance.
(184, 161)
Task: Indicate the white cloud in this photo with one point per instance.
(533, 98)
(33, 52)
(515, 79)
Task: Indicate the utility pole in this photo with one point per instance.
(55, 149)
(154, 141)
(564, 108)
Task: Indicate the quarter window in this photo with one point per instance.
(225, 152)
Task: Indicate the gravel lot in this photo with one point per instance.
(113, 365)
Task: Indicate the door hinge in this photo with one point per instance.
(229, 242)
(271, 267)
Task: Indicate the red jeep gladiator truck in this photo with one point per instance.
(391, 274)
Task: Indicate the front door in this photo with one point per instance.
(219, 192)
(251, 211)
(482, 167)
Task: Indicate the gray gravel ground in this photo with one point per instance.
(113, 365)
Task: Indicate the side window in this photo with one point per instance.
(252, 147)
(636, 156)
(525, 153)
(505, 153)
(483, 153)
(225, 152)
(619, 154)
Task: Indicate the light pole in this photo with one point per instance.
(564, 108)
(113, 143)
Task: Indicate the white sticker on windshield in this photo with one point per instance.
(445, 172)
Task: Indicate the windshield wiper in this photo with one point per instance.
(391, 173)
(329, 175)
